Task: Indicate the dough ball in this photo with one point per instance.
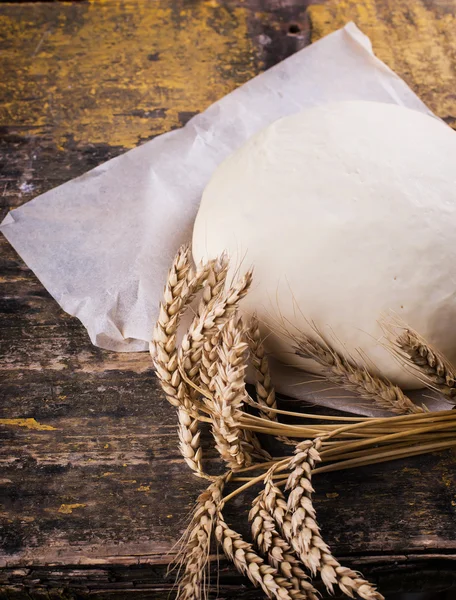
(347, 212)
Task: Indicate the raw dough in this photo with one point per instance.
(347, 213)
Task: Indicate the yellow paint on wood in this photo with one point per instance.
(417, 39)
(118, 72)
(67, 509)
(28, 423)
(143, 488)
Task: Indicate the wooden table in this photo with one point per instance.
(93, 489)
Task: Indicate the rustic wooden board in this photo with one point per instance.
(93, 491)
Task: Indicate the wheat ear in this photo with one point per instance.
(296, 518)
(300, 507)
(437, 371)
(249, 563)
(237, 446)
(341, 371)
(264, 388)
(215, 283)
(181, 286)
(265, 391)
(229, 395)
(203, 334)
(196, 544)
(212, 292)
(277, 550)
(207, 321)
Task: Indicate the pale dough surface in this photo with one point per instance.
(347, 212)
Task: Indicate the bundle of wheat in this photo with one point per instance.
(204, 378)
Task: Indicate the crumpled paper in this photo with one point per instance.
(102, 243)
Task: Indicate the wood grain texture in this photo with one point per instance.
(93, 491)
(415, 38)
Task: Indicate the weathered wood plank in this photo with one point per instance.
(93, 491)
(83, 82)
(415, 38)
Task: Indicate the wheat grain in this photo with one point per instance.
(318, 557)
(189, 440)
(437, 371)
(341, 371)
(196, 543)
(276, 504)
(215, 283)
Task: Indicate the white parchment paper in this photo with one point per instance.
(102, 243)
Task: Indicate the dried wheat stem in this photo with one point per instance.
(435, 368)
(296, 517)
(249, 563)
(194, 556)
(277, 550)
(341, 371)
(252, 446)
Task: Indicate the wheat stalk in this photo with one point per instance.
(439, 374)
(276, 504)
(277, 550)
(339, 370)
(299, 503)
(208, 365)
(196, 544)
(224, 307)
